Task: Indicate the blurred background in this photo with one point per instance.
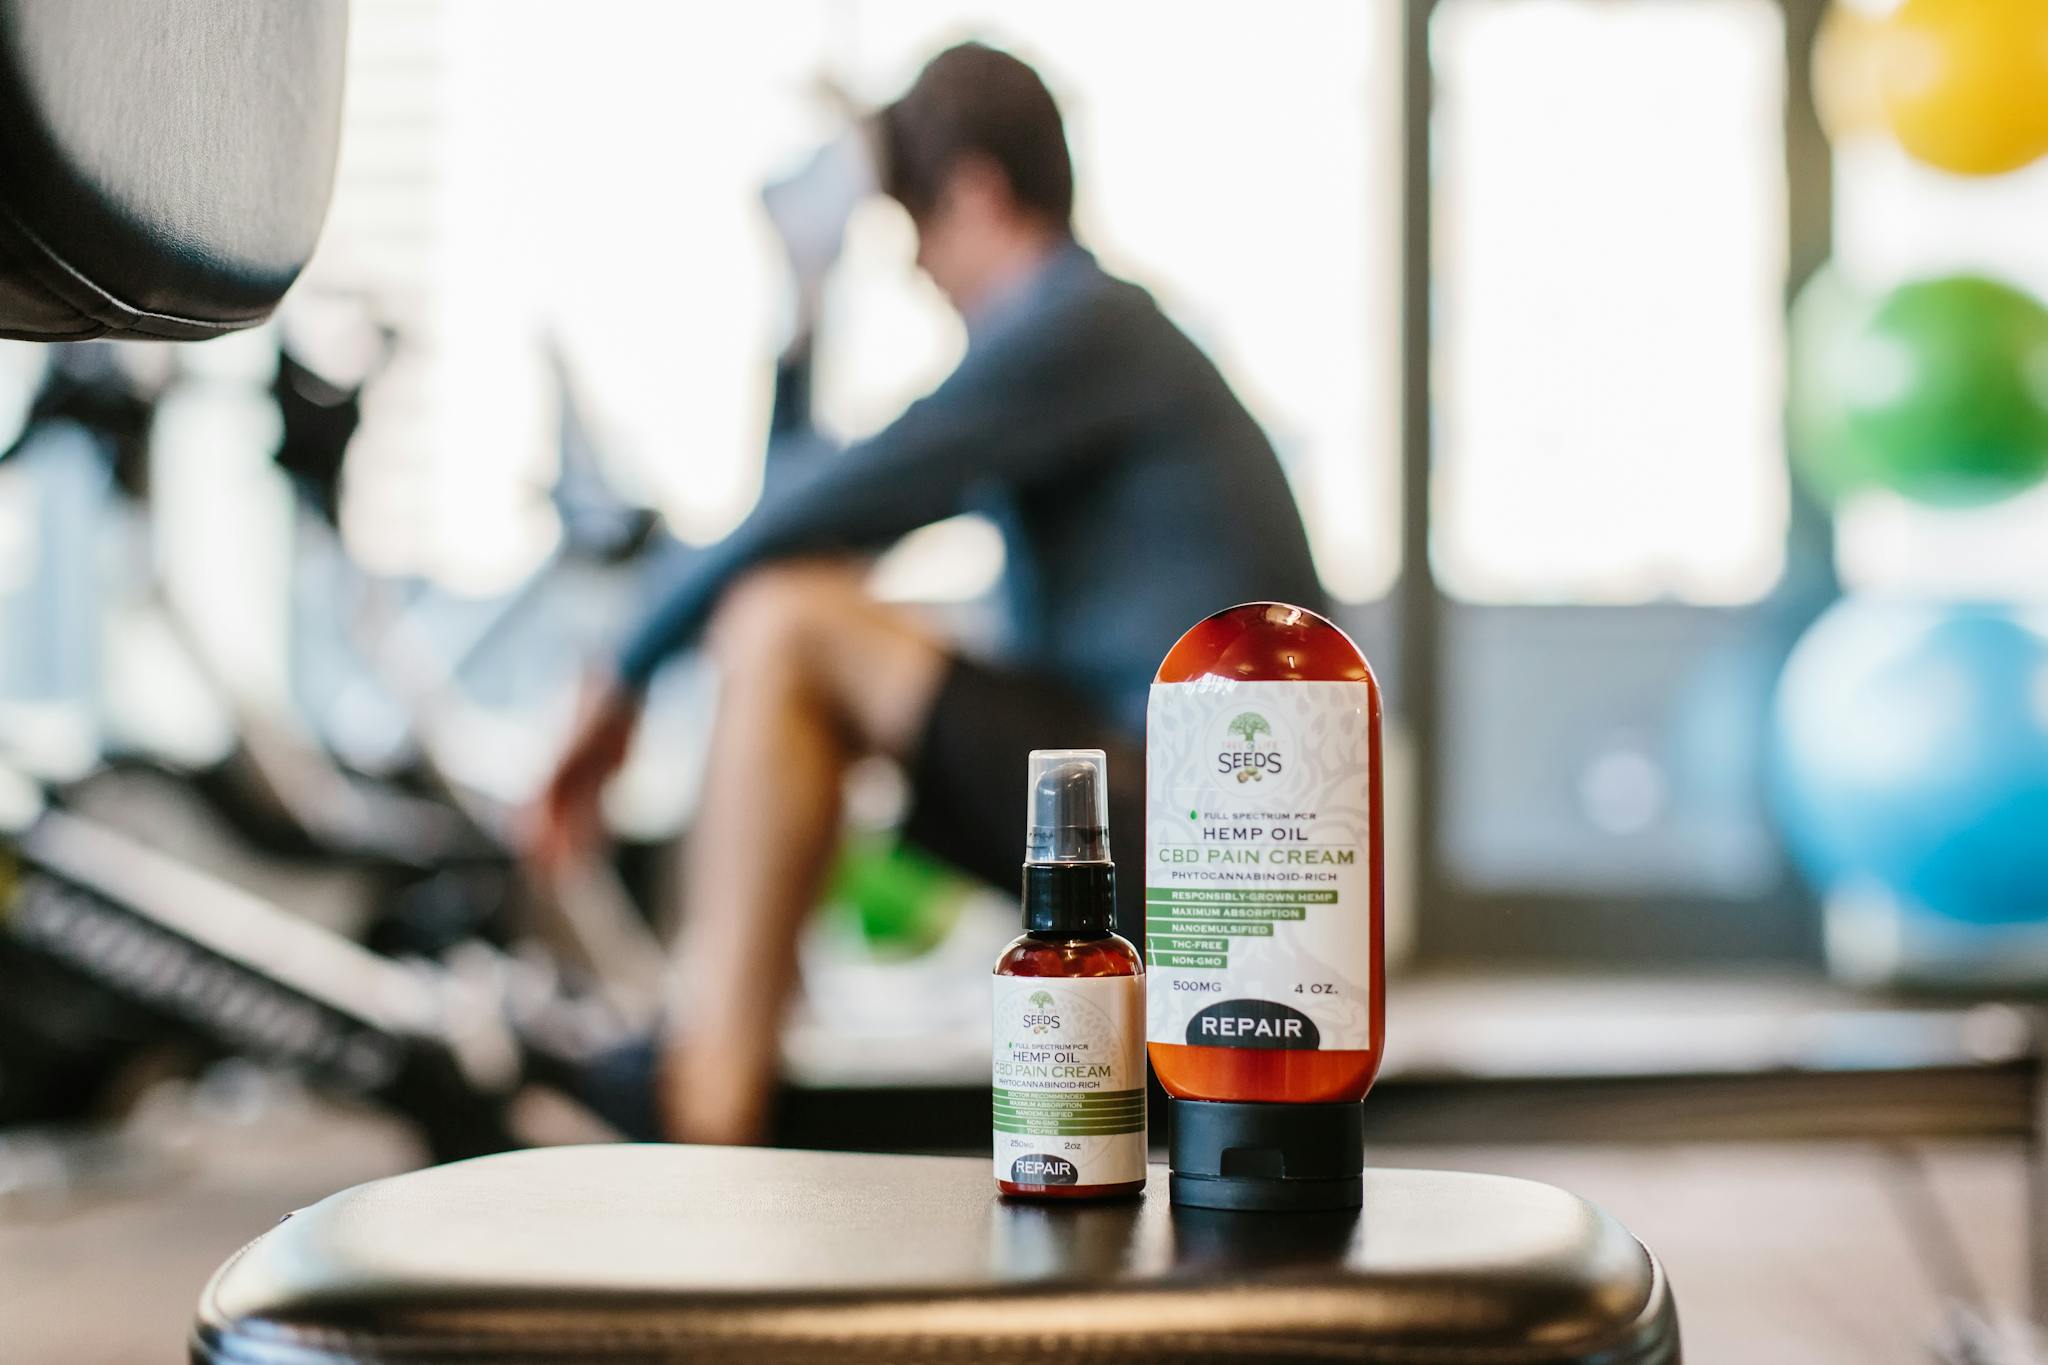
(1664, 384)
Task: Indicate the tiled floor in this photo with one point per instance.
(111, 1280)
(1805, 1254)
(1800, 1254)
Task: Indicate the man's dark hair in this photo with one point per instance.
(973, 100)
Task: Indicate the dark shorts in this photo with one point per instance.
(967, 780)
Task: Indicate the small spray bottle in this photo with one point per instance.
(1069, 1035)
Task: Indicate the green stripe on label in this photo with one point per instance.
(1057, 1113)
(1185, 895)
(1186, 944)
(1029, 1106)
(1064, 1102)
(1084, 1112)
(1230, 928)
(1257, 914)
(1070, 1111)
(1199, 961)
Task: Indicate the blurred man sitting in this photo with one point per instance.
(1135, 496)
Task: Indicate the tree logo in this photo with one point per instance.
(1248, 761)
(1041, 1018)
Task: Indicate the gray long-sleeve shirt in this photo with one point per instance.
(1134, 493)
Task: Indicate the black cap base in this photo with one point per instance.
(1279, 1157)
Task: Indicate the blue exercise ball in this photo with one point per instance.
(1912, 748)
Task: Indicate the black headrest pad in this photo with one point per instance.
(164, 166)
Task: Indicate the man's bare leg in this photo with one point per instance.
(813, 674)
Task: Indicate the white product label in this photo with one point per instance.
(1258, 874)
(1069, 1080)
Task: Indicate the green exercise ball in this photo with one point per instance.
(1827, 317)
(1944, 391)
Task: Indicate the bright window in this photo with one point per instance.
(594, 171)
(1610, 265)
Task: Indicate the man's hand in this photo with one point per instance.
(563, 825)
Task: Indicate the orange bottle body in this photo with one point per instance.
(1068, 958)
(1271, 643)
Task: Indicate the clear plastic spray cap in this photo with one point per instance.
(1067, 809)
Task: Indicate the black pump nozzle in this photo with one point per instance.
(1069, 807)
(1069, 881)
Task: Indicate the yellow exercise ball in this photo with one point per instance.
(1965, 82)
(1848, 67)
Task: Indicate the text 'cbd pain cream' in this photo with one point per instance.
(1265, 1012)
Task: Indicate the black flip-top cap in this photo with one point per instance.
(1266, 1156)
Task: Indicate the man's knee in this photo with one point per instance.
(760, 617)
(807, 626)
(767, 615)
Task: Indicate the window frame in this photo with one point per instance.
(1461, 925)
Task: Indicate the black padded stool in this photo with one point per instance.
(728, 1254)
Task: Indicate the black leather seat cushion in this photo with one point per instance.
(697, 1253)
(164, 165)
